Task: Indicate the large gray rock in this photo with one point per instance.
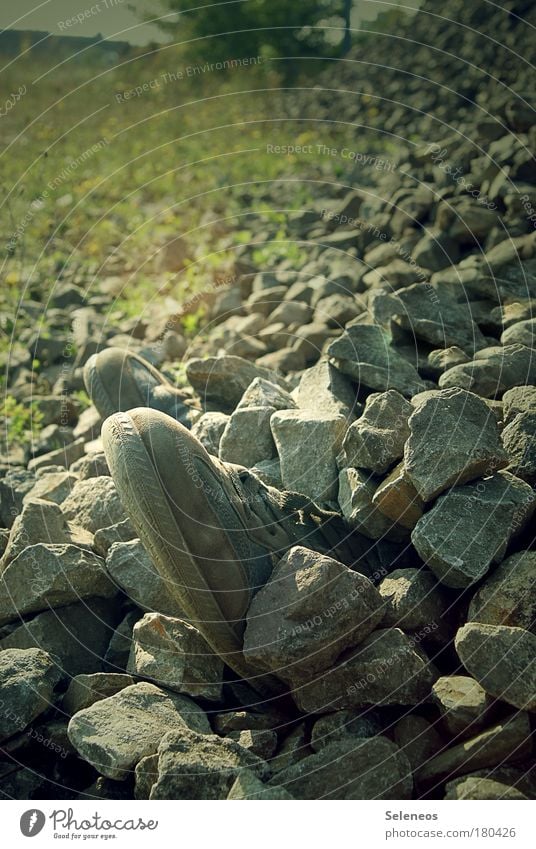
(53, 487)
(311, 472)
(94, 504)
(77, 635)
(376, 440)
(367, 769)
(115, 733)
(520, 445)
(477, 788)
(507, 742)
(388, 668)
(469, 528)
(311, 609)
(44, 576)
(502, 659)
(132, 569)
(507, 596)
(84, 690)
(208, 430)
(247, 438)
(225, 379)
(493, 371)
(356, 500)
(453, 438)
(246, 787)
(344, 726)
(463, 704)
(42, 522)
(27, 681)
(13, 487)
(412, 599)
(201, 766)
(520, 399)
(264, 393)
(417, 738)
(398, 500)
(173, 654)
(323, 389)
(365, 354)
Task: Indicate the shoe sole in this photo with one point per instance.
(134, 472)
(96, 389)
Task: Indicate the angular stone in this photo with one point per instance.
(311, 609)
(118, 651)
(42, 522)
(520, 445)
(338, 309)
(388, 668)
(246, 720)
(503, 661)
(365, 769)
(520, 399)
(132, 569)
(376, 440)
(507, 742)
(13, 487)
(105, 537)
(44, 576)
(445, 358)
(247, 786)
(208, 430)
(398, 500)
(365, 354)
(201, 766)
(146, 773)
(27, 681)
(84, 690)
(173, 654)
(262, 742)
(115, 733)
(464, 705)
(356, 494)
(507, 596)
(476, 788)
(94, 504)
(76, 635)
(263, 393)
(343, 726)
(522, 332)
(225, 379)
(453, 438)
(469, 528)
(493, 371)
(269, 471)
(64, 456)
(323, 389)
(247, 438)
(54, 487)
(413, 599)
(93, 465)
(284, 360)
(294, 748)
(432, 313)
(295, 431)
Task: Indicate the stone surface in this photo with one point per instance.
(502, 659)
(433, 314)
(469, 528)
(311, 609)
(264, 393)
(247, 438)
(247, 786)
(323, 389)
(209, 428)
(388, 668)
(493, 371)
(520, 399)
(27, 681)
(201, 766)
(54, 487)
(365, 354)
(417, 738)
(44, 576)
(365, 769)
(294, 432)
(398, 500)
(42, 522)
(115, 733)
(508, 741)
(84, 690)
(93, 465)
(132, 569)
(225, 379)
(464, 705)
(76, 635)
(520, 446)
(174, 655)
(507, 596)
(344, 726)
(376, 440)
(94, 504)
(476, 788)
(412, 599)
(453, 438)
(356, 500)
(262, 742)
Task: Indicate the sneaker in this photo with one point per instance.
(119, 380)
(213, 529)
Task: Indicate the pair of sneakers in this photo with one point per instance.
(213, 530)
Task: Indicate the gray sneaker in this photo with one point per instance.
(119, 380)
(213, 530)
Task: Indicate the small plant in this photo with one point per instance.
(20, 422)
